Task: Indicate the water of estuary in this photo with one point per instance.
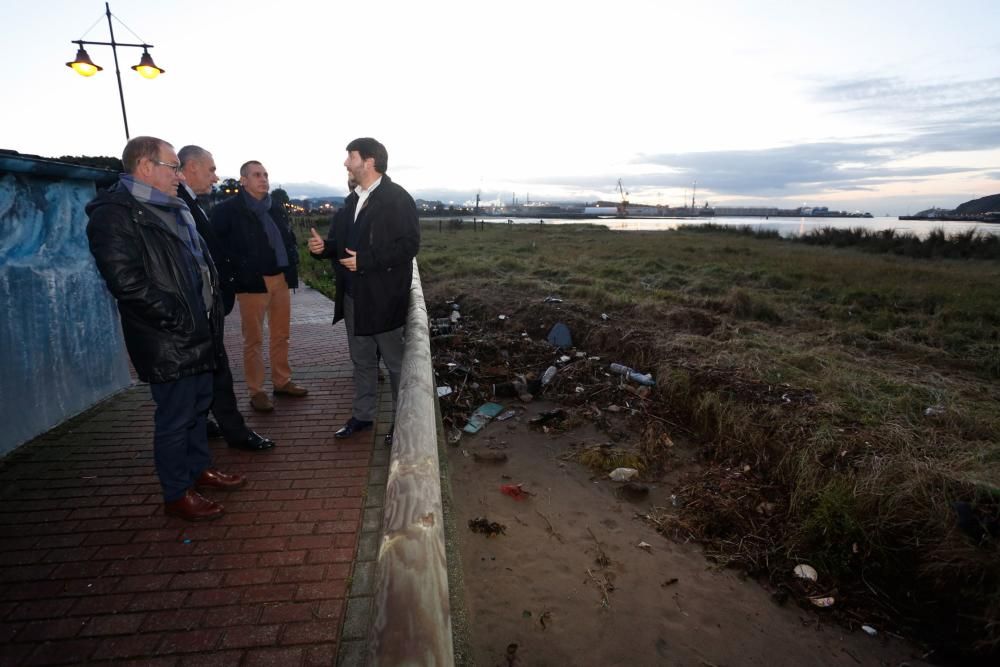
(784, 226)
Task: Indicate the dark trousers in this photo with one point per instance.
(180, 445)
(365, 352)
(224, 407)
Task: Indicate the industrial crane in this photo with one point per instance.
(623, 206)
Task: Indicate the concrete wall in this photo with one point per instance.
(61, 348)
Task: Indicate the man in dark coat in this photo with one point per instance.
(258, 246)
(160, 272)
(373, 240)
(198, 167)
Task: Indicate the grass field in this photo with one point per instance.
(854, 386)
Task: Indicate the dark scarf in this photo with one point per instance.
(262, 209)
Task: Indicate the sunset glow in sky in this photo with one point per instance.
(889, 107)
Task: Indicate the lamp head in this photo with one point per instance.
(146, 67)
(83, 65)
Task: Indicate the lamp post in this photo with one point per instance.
(84, 66)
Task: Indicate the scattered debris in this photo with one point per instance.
(806, 572)
(602, 558)
(623, 474)
(444, 391)
(869, 630)
(504, 416)
(934, 411)
(489, 456)
(552, 299)
(634, 375)
(515, 491)
(646, 546)
(548, 527)
(559, 336)
(669, 582)
(488, 528)
(822, 601)
(548, 417)
(549, 373)
(633, 491)
(483, 414)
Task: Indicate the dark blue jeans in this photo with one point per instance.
(180, 444)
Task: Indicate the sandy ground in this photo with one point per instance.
(541, 593)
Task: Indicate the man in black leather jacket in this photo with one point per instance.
(160, 272)
(198, 167)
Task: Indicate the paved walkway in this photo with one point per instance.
(93, 571)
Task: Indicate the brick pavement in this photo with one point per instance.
(92, 570)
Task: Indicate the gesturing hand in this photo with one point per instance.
(316, 242)
(351, 261)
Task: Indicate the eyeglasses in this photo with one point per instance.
(175, 167)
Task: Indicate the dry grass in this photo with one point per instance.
(851, 396)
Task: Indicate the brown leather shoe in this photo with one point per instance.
(291, 389)
(261, 403)
(193, 506)
(216, 479)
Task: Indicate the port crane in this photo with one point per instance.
(623, 206)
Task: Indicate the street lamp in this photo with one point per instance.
(84, 66)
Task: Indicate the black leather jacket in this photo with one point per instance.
(167, 332)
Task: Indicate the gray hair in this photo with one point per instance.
(192, 152)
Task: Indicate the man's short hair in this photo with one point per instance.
(370, 148)
(138, 148)
(245, 167)
(192, 152)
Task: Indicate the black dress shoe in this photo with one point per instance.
(351, 427)
(254, 443)
(213, 429)
(388, 436)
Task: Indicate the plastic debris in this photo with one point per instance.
(645, 545)
(552, 299)
(455, 316)
(806, 572)
(934, 411)
(515, 491)
(549, 373)
(483, 414)
(454, 435)
(605, 317)
(443, 391)
(823, 601)
(507, 414)
(634, 375)
(623, 474)
(501, 317)
(559, 336)
(869, 630)
(563, 359)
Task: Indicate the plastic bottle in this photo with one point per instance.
(549, 373)
(634, 375)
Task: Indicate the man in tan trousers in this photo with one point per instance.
(263, 257)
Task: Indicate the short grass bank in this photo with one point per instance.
(844, 401)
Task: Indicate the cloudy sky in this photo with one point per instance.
(889, 106)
